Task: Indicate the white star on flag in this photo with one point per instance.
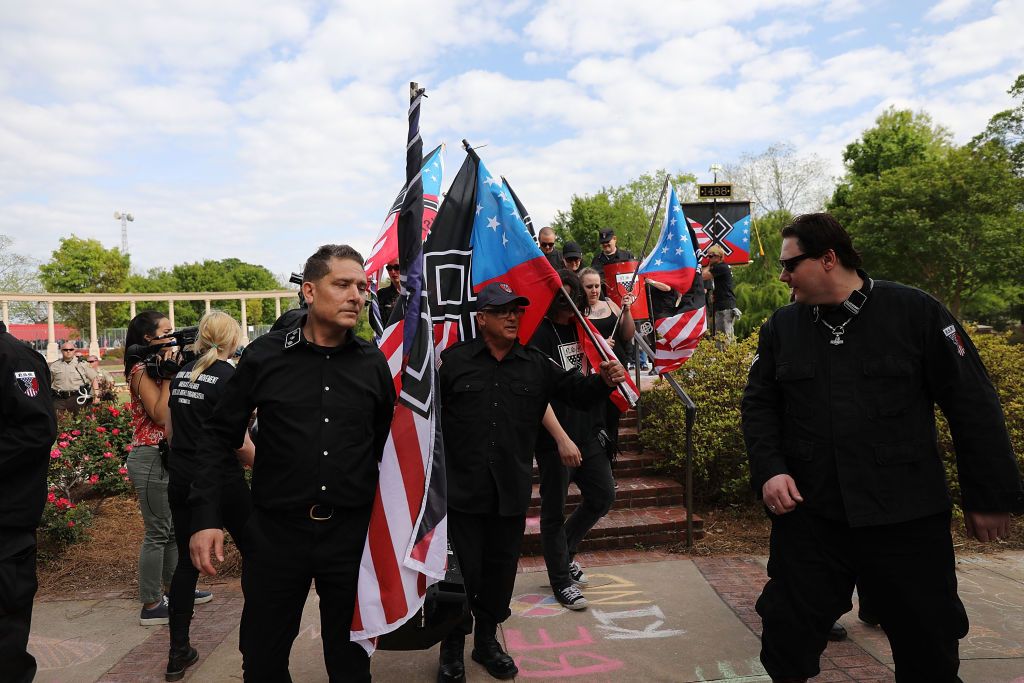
(664, 250)
(502, 197)
(679, 251)
(493, 223)
(673, 221)
(669, 235)
(479, 208)
(491, 181)
(504, 239)
(658, 262)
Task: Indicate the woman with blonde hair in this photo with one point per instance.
(194, 394)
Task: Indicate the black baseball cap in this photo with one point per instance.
(499, 294)
(606, 235)
(572, 250)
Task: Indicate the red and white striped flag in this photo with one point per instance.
(678, 336)
(627, 394)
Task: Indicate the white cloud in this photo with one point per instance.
(947, 10)
(976, 46)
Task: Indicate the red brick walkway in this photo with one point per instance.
(739, 580)
(212, 623)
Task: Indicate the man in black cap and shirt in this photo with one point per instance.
(839, 423)
(494, 392)
(610, 252)
(572, 255)
(28, 427)
(325, 400)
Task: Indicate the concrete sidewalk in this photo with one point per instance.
(662, 620)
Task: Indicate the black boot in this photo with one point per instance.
(182, 655)
(487, 651)
(452, 669)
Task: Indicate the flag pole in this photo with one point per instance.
(590, 334)
(643, 253)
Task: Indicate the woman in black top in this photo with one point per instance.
(194, 394)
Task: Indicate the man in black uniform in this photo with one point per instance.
(387, 296)
(546, 242)
(325, 400)
(839, 423)
(494, 393)
(572, 255)
(610, 252)
(28, 427)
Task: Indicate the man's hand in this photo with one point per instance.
(202, 545)
(780, 494)
(612, 373)
(568, 452)
(987, 526)
(611, 342)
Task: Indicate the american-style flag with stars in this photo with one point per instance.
(504, 251)
(673, 260)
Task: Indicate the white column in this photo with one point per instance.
(245, 323)
(51, 347)
(131, 309)
(6, 315)
(94, 344)
(170, 312)
(277, 307)
(207, 305)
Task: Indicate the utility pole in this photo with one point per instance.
(125, 218)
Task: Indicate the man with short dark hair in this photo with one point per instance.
(28, 427)
(387, 296)
(839, 423)
(325, 399)
(494, 392)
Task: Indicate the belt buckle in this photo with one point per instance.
(313, 513)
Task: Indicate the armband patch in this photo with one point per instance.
(954, 336)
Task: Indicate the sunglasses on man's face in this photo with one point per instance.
(789, 264)
(394, 267)
(67, 350)
(547, 245)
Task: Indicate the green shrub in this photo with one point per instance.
(715, 379)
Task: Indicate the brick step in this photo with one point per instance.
(626, 528)
(633, 492)
(629, 464)
(628, 422)
(629, 438)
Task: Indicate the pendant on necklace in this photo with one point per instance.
(838, 340)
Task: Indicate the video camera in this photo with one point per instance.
(296, 279)
(159, 367)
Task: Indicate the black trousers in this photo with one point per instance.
(905, 570)
(236, 505)
(283, 554)
(17, 589)
(487, 546)
(561, 537)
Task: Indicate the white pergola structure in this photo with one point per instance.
(168, 297)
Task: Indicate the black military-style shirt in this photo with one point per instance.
(191, 405)
(323, 418)
(28, 427)
(386, 299)
(854, 423)
(491, 411)
(602, 259)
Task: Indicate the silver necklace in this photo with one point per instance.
(853, 303)
(838, 330)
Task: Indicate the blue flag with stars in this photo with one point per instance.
(673, 260)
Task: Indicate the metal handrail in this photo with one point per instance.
(691, 418)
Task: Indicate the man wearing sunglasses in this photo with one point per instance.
(546, 242)
(72, 378)
(839, 424)
(494, 393)
(387, 296)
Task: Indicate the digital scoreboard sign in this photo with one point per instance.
(715, 191)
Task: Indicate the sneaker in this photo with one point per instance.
(570, 597)
(577, 575)
(203, 597)
(155, 616)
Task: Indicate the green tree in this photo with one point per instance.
(899, 138)
(950, 224)
(778, 179)
(758, 288)
(85, 266)
(626, 208)
(1007, 129)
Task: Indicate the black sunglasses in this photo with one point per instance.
(546, 245)
(394, 267)
(790, 264)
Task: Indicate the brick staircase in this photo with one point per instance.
(648, 506)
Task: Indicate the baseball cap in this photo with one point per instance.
(499, 294)
(572, 250)
(606, 235)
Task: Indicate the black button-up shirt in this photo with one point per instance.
(491, 411)
(28, 427)
(323, 418)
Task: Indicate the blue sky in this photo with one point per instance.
(261, 129)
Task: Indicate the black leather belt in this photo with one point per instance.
(65, 394)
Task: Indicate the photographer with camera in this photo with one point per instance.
(148, 366)
(195, 392)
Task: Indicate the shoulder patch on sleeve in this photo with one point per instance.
(953, 335)
(292, 338)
